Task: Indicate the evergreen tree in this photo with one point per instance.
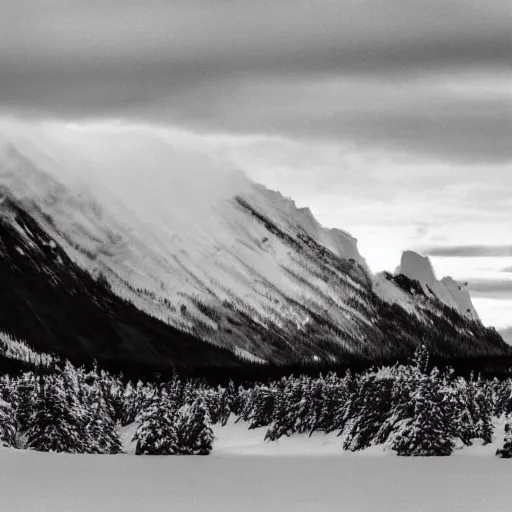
(428, 433)
(156, 433)
(405, 383)
(259, 407)
(8, 390)
(54, 426)
(26, 395)
(505, 452)
(421, 359)
(134, 400)
(237, 398)
(194, 435)
(503, 392)
(102, 429)
(336, 400)
(284, 413)
(311, 406)
(7, 424)
(485, 405)
(112, 389)
(76, 395)
(227, 399)
(371, 406)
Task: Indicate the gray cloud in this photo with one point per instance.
(491, 289)
(376, 74)
(470, 251)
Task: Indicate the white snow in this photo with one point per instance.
(392, 293)
(19, 350)
(246, 474)
(453, 294)
(244, 354)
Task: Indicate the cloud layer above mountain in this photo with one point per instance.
(423, 77)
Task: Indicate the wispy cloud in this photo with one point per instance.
(470, 251)
(491, 289)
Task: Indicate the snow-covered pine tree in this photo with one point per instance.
(194, 435)
(310, 407)
(503, 392)
(26, 396)
(458, 419)
(7, 424)
(428, 433)
(102, 429)
(54, 425)
(306, 406)
(113, 391)
(421, 359)
(405, 383)
(76, 394)
(336, 399)
(134, 398)
(212, 401)
(505, 452)
(8, 389)
(234, 397)
(485, 406)
(156, 433)
(259, 407)
(227, 397)
(371, 406)
(238, 397)
(283, 413)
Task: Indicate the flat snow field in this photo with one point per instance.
(246, 474)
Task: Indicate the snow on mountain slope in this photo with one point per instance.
(197, 245)
(47, 300)
(453, 294)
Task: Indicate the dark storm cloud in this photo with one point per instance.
(470, 251)
(372, 73)
(491, 289)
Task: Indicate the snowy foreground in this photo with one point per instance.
(246, 474)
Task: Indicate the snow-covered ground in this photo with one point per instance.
(246, 474)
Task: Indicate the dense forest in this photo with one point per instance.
(413, 409)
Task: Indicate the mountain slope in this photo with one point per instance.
(213, 257)
(48, 300)
(454, 295)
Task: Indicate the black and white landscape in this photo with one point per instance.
(181, 188)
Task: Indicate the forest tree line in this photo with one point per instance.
(413, 409)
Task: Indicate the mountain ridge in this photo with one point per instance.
(240, 267)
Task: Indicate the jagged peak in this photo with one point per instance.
(416, 266)
(302, 219)
(447, 290)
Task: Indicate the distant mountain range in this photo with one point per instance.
(184, 267)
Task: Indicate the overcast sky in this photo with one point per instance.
(390, 118)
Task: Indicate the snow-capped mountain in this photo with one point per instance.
(208, 255)
(451, 293)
